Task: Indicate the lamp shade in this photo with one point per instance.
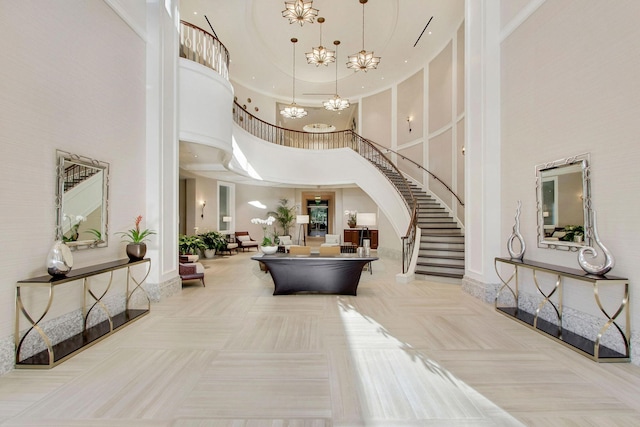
(366, 219)
(226, 219)
(302, 219)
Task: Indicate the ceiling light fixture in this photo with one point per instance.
(336, 103)
(320, 55)
(363, 60)
(292, 111)
(299, 11)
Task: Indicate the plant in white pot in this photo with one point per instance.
(213, 240)
(268, 245)
(136, 248)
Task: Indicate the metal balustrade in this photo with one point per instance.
(200, 46)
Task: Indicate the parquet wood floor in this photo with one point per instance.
(233, 355)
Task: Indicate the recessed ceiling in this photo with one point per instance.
(258, 39)
(259, 42)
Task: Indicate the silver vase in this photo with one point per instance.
(516, 235)
(609, 261)
(59, 259)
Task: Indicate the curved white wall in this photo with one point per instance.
(205, 105)
(270, 162)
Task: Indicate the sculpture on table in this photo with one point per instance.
(516, 235)
(609, 261)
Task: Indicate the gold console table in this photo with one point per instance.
(59, 352)
(589, 348)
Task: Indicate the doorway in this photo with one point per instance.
(318, 211)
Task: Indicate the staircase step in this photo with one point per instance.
(441, 237)
(428, 251)
(440, 274)
(434, 219)
(441, 262)
(447, 246)
(433, 224)
(439, 270)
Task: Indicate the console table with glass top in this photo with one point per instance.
(587, 347)
(55, 354)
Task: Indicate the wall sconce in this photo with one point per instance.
(204, 203)
(409, 121)
(463, 150)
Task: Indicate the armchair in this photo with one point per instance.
(245, 241)
(190, 270)
(331, 240)
(286, 242)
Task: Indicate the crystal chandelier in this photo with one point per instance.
(299, 11)
(292, 111)
(336, 103)
(363, 60)
(320, 55)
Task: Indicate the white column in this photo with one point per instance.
(162, 143)
(482, 145)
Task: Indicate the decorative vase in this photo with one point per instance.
(269, 250)
(609, 261)
(352, 224)
(516, 235)
(209, 253)
(136, 251)
(59, 260)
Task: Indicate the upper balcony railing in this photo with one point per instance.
(199, 46)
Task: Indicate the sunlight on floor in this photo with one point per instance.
(396, 381)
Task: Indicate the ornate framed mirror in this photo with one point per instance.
(82, 199)
(563, 198)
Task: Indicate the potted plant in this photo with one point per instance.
(284, 215)
(212, 240)
(136, 248)
(190, 245)
(268, 245)
(351, 218)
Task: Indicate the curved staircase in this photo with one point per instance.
(441, 250)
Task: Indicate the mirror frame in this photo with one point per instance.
(585, 163)
(61, 157)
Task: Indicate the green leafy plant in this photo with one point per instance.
(284, 215)
(190, 244)
(571, 232)
(213, 240)
(96, 233)
(135, 235)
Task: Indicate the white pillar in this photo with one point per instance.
(482, 146)
(162, 145)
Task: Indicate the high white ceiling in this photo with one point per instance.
(259, 42)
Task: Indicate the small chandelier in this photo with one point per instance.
(292, 111)
(299, 11)
(363, 60)
(336, 103)
(320, 55)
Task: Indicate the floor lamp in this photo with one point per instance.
(365, 220)
(302, 220)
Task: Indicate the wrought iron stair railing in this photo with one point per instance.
(332, 140)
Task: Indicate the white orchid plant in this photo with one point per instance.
(351, 215)
(74, 224)
(266, 240)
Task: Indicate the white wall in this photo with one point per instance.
(567, 89)
(74, 79)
